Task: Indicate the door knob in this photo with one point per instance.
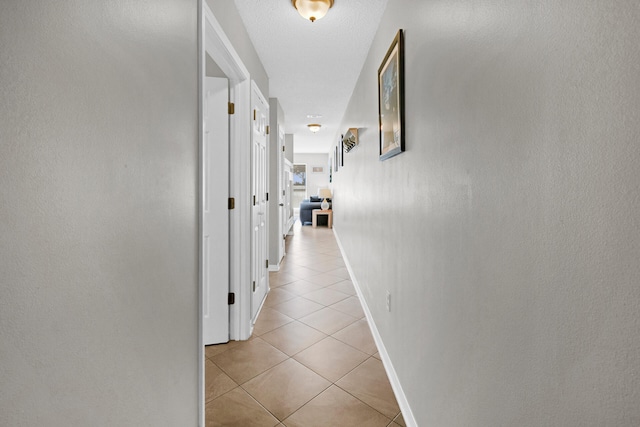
(281, 204)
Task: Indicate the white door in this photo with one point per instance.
(259, 210)
(215, 223)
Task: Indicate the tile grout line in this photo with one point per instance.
(309, 273)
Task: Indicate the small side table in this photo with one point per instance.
(316, 212)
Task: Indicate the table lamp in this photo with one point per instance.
(325, 193)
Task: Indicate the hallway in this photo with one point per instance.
(311, 360)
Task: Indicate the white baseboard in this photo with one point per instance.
(407, 414)
(276, 267)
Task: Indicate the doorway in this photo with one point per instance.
(299, 185)
(216, 52)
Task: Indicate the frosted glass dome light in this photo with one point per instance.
(314, 127)
(312, 9)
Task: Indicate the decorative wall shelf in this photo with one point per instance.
(350, 139)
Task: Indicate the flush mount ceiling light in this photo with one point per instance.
(314, 127)
(312, 9)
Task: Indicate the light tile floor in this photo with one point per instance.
(311, 360)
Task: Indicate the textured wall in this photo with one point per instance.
(508, 232)
(288, 147)
(227, 15)
(98, 213)
(314, 180)
(276, 119)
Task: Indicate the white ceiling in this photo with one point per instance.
(312, 66)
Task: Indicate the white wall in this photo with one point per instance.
(288, 147)
(98, 213)
(227, 15)
(508, 232)
(314, 180)
(276, 119)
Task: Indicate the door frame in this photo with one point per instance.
(213, 40)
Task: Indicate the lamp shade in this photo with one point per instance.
(312, 9)
(324, 193)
